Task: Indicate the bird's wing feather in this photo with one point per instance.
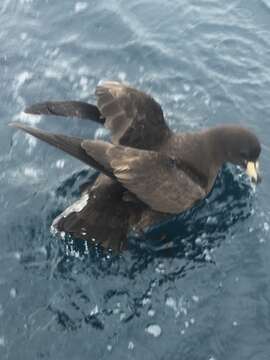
(68, 144)
(154, 178)
(134, 118)
(68, 109)
(99, 216)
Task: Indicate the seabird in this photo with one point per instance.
(147, 171)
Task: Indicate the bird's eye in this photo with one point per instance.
(244, 154)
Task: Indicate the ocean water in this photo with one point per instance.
(205, 293)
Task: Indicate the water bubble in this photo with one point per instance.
(154, 330)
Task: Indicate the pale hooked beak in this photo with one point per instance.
(253, 172)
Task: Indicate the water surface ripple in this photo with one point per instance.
(203, 293)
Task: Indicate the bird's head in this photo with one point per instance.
(239, 146)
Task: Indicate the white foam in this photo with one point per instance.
(195, 298)
(23, 36)
(75, 253)
(122, 76)
(69, 39)
(151, 313)
(130, 345)
(198, 241)
(160, 268)
(32, 143)
(22, 78)
(170, 302)
(83, 81)
(154, 330)
(83, 70)
(84, 86)
(13, 293)
(176, 307)
(122, 316)
(17, 255)
(80, 6)
(94, 311)
(116, 311)
(42, 250)
(178, 97)
(186, 87)
(146, 301)
(141, 68)
(101, 133)
(207, 101)
(266, 226)
(181, 307)
(60, 163)
(212, 220)
(31, 172)
(53, 229)
(52, 74)
(27, 118)
(207, 255)
(2, 341)
(52, 53)
(19, 81)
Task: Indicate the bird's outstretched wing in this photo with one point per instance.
(77, 109)
(69, 144)
(134, 118)
(159, 181)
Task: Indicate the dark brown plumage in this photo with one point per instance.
(147, 172)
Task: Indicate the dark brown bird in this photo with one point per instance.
(148, 172)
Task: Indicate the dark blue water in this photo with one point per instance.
(205, 292)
